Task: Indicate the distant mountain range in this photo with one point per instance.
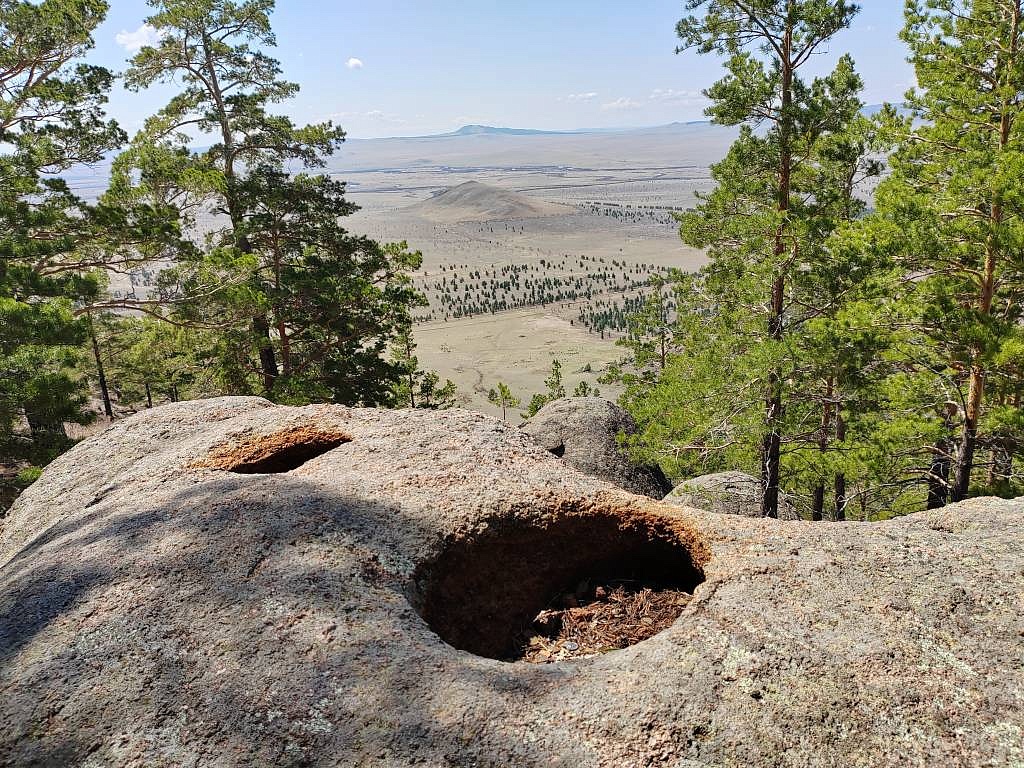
(492, 130)
(475, 147)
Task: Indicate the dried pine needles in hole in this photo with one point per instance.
(589, 579)
(598, 616)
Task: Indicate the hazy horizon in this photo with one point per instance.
(397, 69)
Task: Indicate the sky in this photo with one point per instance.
(420, 67)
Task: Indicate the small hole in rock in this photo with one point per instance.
(559, 451)
(279, 452)
(572, 587)
(286, 459)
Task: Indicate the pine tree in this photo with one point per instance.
(836, 345)
(296, 297)
(503, 398)
(215, 50)
(956, 197)
(415, 387)
(335, 301)
(554, 390)
(649, 331)
(149, 361)
(758, 223)
(51, 117)
(584, 389)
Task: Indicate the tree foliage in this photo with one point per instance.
(956, 190)
(51, 117)
(877, 350)
(306, 309)
(765, 224)
(554, 389)
(503, 398)
(415, 387)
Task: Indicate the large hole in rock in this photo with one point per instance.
(572, 586)
(279, 452)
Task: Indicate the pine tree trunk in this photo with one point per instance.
(818, 508)
(938, 476)
(771, 452)
(286, 348)
(969, 432)
(149, 396)
(976, 392)
(411, 370)
(841, 500)
(104, 390)
(818, 504)
(771, 458)
(260, 324)
(976, 387)
(282, 330)
(840, 480)
(268, 361)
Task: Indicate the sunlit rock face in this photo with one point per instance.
(231, 583)
(727, 493)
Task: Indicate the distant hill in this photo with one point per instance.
(653, 130)
(490, 130)
(474, 201)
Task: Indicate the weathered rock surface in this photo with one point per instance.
(726, 493)
(162, 606)
(584, 431)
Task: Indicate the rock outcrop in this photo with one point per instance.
(727, 493)
(584, 432)
(230, 583)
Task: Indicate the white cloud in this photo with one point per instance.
(141, 37)
(670, 94)
(589, 96)
(621, 103)
(354, 63)
(375, 115)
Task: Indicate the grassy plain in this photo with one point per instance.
(579, 202)
(589, 211)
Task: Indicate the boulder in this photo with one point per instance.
(727, 493)
(584, 432)
(230, 583)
